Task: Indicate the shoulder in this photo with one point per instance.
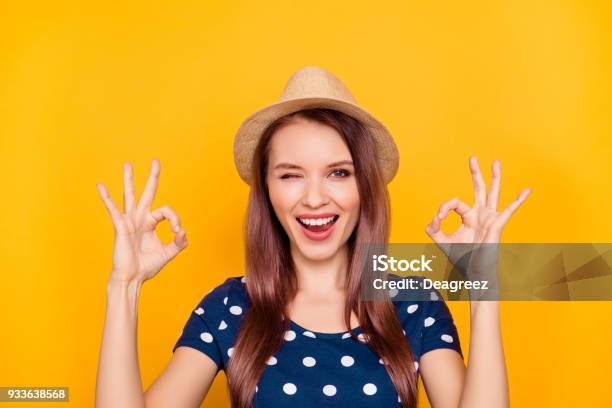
(421, 305)
(213, 324)
(413, 291)
(232, 292)
(427, 320)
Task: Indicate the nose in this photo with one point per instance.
(315, 194)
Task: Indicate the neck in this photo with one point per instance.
(323, 276)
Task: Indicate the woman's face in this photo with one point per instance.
(312, 186)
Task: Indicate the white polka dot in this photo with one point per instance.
(236, 310)
(271, 361)
(289, 335)
(416, 365)
(225, 300)
(434, 296)
(380, 360)
(404, 331)
(362, 338)
(447, 338)
(199, 311)
(244, 278)
(369, 389)
(230, 351)
(412, 308)
(289, 388)
(309, 334)
(309, 361)
(207, 337)
(399, 399)
(429, 321)
(346, 335)
(393, 292)
(347, 361)
(222, 325)
(329, 390)
(256, 388)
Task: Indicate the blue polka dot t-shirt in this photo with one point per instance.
(314, 369)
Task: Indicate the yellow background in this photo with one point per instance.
(85, 87)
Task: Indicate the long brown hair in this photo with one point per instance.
(272, 281)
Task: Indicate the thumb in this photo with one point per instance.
(434, 231)
(177, 245)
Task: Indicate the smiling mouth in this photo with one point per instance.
(313, 226)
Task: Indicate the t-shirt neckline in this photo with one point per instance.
(337, 335)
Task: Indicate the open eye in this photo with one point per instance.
(342, 172)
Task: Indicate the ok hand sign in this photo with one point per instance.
(138, 253)
(481, 223)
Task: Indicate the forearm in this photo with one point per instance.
(118, 379)
(486, 382)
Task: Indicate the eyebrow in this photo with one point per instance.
(295, 166)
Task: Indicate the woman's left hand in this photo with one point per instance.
(481, 223)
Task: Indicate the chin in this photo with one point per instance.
(317, 252)
(319, 255)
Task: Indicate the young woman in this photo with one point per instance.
(292, 331)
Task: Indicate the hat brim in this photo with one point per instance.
(252, 128)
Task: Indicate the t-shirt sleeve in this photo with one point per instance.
(438, 327)
(199, 332)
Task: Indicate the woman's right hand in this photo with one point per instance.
(138, 253)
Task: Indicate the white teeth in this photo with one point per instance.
(316, 221)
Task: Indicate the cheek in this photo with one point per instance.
(283, 198)
(347, 198)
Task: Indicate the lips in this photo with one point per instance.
(317, 232)
(320, 228)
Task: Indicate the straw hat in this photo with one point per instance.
(312, 87)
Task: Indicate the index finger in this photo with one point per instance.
(146, 200)
(455, 204)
